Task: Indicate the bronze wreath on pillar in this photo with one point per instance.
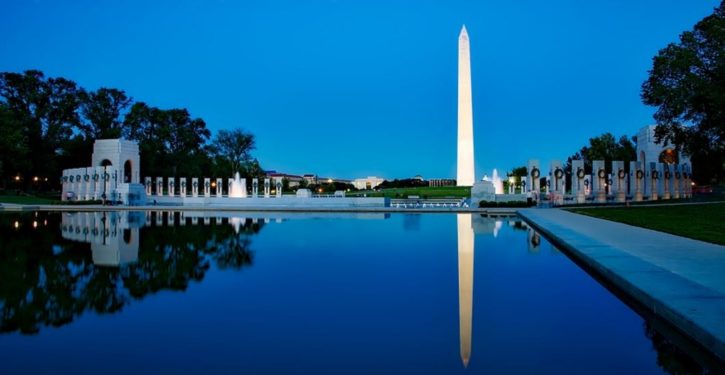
(621, 174)
(640, 174)
(580, 172)
(558, 173)
(602, 173)
(667, 175)
(535, 172)
(655, 175)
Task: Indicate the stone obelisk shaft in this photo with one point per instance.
(465, 173)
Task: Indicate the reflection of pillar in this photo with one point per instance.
(465, 284)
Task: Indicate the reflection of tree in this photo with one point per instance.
(46, 280)
(669, 357)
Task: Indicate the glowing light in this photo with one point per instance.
(35, 178)
(35, 224)
(213, 184)
(17, 224)
(17, 178)
(693, 184)
(329, 180)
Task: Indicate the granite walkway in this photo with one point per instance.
(679, 279)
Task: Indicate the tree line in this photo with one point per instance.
(50, 123)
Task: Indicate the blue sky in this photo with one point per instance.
(356, 88)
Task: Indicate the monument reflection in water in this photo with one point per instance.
(391, 305)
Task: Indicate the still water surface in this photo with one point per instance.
(138, 292)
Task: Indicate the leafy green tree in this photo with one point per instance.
(604, 147)
(687, 85)
(101, 112)
(233, 147)
(47, 111)
(13, 146)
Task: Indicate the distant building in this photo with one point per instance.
(370, 182)
(310, 178)
(418, 177)
(650, 151)
(442, 182)
(294, 180)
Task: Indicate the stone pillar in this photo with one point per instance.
(266, 187)
(667, 174)
(147, 185)
(654, 177)
(687, 181)
(255, 187)
(635, 169)
(524, 182)
(620, 176)
(97, 181)
(194, 187)
(600, 179)
(278, 187)
(170, 185)
(243, 182)
(219, 187)
(160, 186)
(558, 180)
(207, 187)
(230, 182)
(195, 219)
(577, 180)
(207, 220)
(532, 171)
(676, 182)
(182, 187)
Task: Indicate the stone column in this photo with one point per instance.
(577, 180)
(97, 180)
(230, 182)
(532, 170)
(638, 173)
(147, 185)
(558, 180)
(255, 187)
(207, 187)
(243, 182)
(278, 187)
(207, 220)
(524, 182)
(90, 184)
(620, 176)
(687, 181)
(219, 187)
(194, 187)
(654, 176)
(676, 182)
(600, 178)
(170, 186)
(182, 187)
(667, 173)
(266, 187)
(160, 186)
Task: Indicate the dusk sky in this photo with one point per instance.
(355, 88)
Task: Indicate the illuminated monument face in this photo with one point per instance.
(465, 173)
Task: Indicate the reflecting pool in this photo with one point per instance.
(130, 292)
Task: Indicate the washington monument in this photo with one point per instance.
(465, 174)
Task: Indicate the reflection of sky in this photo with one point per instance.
(360, 296)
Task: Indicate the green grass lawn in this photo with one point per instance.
(422, 192)
(705, 222)
(26, 199)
